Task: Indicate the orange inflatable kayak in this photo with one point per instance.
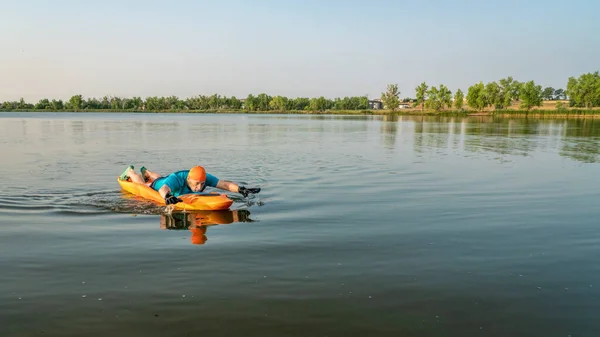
(191, 202)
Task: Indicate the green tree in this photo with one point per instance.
(76, 102)
(515, 90)
(215, 102)
(363, 103)
(105, 103)
(476, 97)
(279, 103)
(391, 98)
(320, 104)
(574, 91)
(314, 104)
(56, 105)
(585, 90)
(22, 104)
(438, 98)
(235, 103)
(421, 94)
(559, 94)
(493, 94)
(137, 103)
(445, 96)
(433, 101)
(203, 102)
(154, 103)
(459, 99)
(350, 103)
(43, 104)
(506, 91)
(115, 103)
(531, 95)
(301, 103)
(93, 103)
(251, 103)
(262, 102)
(9, 105)
(548, 93)
(127, 103)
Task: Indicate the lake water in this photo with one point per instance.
(365, 226)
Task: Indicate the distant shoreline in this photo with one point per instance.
(533, 113)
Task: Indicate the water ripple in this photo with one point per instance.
(82, 203)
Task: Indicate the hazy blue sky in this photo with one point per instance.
(307, 48)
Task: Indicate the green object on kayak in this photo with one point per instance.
(143, 169)
(124, 175)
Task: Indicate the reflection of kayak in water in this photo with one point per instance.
(198, 221)
(181, 220)
(191, 202)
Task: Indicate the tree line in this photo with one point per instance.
(260, 102)
(582, 92)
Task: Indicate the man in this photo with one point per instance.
(183, 182)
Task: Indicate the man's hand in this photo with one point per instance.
(171, 199)
(245, 191)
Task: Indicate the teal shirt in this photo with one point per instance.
(177, 182)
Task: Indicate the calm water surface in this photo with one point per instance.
(366, 226)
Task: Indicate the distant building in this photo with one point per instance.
(375, 104)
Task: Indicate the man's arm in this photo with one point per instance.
(233, 187)
(228, 185)
(164, 190)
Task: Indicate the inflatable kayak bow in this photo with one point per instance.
(191, 202)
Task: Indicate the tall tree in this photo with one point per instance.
(363, 103)
(76, 102)
(235, 103)
(279, 103)
(56, 105)
(43, 104)
(459, 99)
(445, 96)
(433, 101)
(263, 101)
(476, 97)
(251, 103)
(493, 94)
(531, 95)
(320, 104)
(215, 102)
(301, 103)
(115, 103)
(390, 98)
(137, 103)
(506, 91)
(438, 98)
(421, 95)
(585, 90)
(510, 91)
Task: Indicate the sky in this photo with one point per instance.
(303, 48)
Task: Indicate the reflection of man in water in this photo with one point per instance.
(198, 235)
(198, 221)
